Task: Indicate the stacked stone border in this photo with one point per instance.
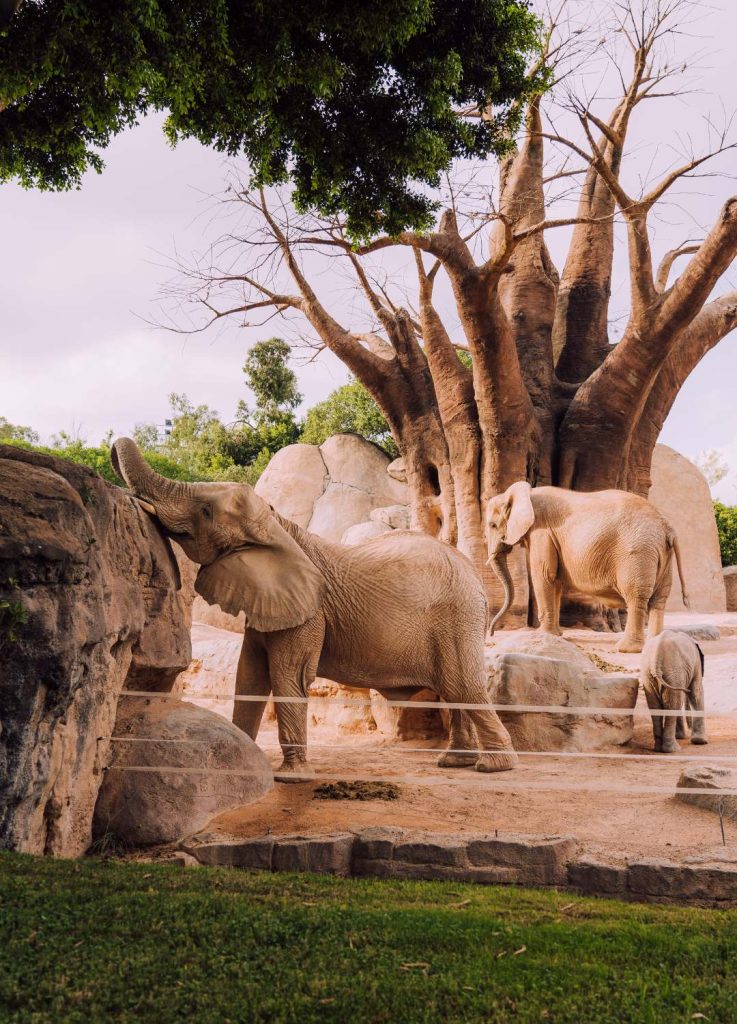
(485, 859)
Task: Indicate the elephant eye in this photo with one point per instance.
(207, 511)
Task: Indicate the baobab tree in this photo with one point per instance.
(527, 385)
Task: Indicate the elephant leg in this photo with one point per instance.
(544, 573)
(655, 621)
(634, 633)
(251, 680)
(293, 658)
(494, 740)
(454, 685)
(462, 745)
(696, 700)
(653, 702)
(670, 743)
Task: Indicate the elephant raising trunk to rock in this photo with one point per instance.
(611, 545)
(399, 613)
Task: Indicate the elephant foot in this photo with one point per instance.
(699, 741)
(552, 630)
(457, 759)
(500, 761)
(670, 747)
(291, 771)
(628, 645)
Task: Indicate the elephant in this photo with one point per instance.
(399, 613)
(611, 545)
(671, 673)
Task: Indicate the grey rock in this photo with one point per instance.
(712, 883)
(235, 853)
(537, 860)
(714, 778)
(330, 855)
(435, 850)
(160, 806)
(595, 878)
(395, 516)
(698, 631)
(535, 669)
(377, 843)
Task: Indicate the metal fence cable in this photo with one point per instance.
(543, 709)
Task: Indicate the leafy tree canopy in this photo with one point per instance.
(355, 103)
(349, 410)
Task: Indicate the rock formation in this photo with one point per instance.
(680, 491)
(329, 488)
(535, 669)
(92, 608)
(715, 778)
(225, 769)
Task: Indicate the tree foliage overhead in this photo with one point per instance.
(355, 103)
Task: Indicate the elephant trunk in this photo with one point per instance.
(498, 562)
(165, 496)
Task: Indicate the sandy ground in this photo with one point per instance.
(578, 796)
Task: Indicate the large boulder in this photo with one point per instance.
(157, 803)
(679, 490)
(92, 590)
(538, 669)
(714, 778)
(328, 489)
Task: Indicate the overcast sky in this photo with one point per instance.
(80, 272)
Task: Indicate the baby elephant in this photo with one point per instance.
(671, 673)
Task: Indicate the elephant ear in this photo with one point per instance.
(272, 581)
(521, 513)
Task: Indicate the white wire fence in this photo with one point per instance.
(497, 782)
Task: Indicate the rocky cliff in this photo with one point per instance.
(89, 606)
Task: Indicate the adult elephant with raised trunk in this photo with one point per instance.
(400, 613)
(611, 545)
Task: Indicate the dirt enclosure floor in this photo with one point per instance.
(579, 796)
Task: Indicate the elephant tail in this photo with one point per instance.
(673, 542)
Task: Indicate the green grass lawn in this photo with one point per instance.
(93, 941)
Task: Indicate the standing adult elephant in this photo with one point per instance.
(397, 614)
(611, 545)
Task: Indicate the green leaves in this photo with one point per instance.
(356, 104)
(726, 517)
(349, 410)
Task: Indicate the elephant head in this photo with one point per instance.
(248, 561)
(509, 516)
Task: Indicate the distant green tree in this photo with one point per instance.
(349, 410)
(272, 380)
(12, 432)
(726, 517)
(271, 424)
